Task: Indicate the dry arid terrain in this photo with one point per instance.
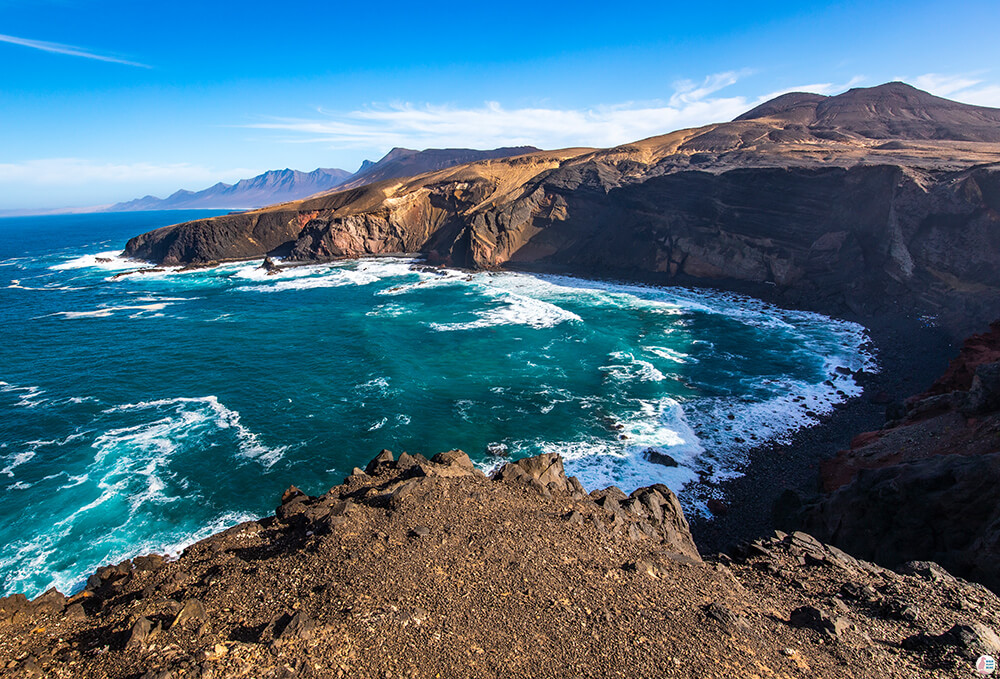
(429, 568)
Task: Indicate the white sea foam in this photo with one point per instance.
(515, 310)
(628, 367)
(196, 413)
(389, 311)
(75, 481)
(314, 283)
(551, 397)
(16, 460)
(107, 261)
(808, 326)
(154, 298)
(671, 354)
(138, 310)
(15, 284)
(731, 427)
(462, 407)
(377, 386)
(357, 273)
(28, 397)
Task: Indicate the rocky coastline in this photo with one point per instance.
(878, 201)
(423, 568)
(757, 502)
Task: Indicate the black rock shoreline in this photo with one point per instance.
(910, 354)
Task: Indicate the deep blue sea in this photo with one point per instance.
(144, 411)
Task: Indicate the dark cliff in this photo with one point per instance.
(923, 486)
(806, 196)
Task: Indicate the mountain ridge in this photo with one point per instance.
(282, 186)
(273, 186)
(894, 110)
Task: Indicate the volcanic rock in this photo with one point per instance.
(923, 488)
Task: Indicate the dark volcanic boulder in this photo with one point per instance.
(984, 394)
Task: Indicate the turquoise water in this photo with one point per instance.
(144, 411)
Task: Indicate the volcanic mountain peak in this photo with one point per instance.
(894, 110)
(784, 104)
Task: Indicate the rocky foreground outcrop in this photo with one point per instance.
(879, 200)
(429, 568)
(925, 485)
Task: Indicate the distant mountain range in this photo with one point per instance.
(280, 186)
(274, 186)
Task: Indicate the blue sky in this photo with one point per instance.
(107, 100)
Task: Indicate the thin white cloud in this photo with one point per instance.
(969, 88)
(428, 125)
(688, 92)
(70, 50)
(986, 95)
(63, 172)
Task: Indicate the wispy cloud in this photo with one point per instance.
(688, 92)
(427, 125)
(68, 50)
(970, 88)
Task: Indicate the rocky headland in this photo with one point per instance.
(879, 200)
(430, 568)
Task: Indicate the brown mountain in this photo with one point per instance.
(882, 199)
(282, 186)
(892, 111)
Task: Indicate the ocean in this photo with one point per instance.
(140, 412)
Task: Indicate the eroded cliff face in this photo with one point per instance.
(835, 219)
(862, 239)
(923, 486)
